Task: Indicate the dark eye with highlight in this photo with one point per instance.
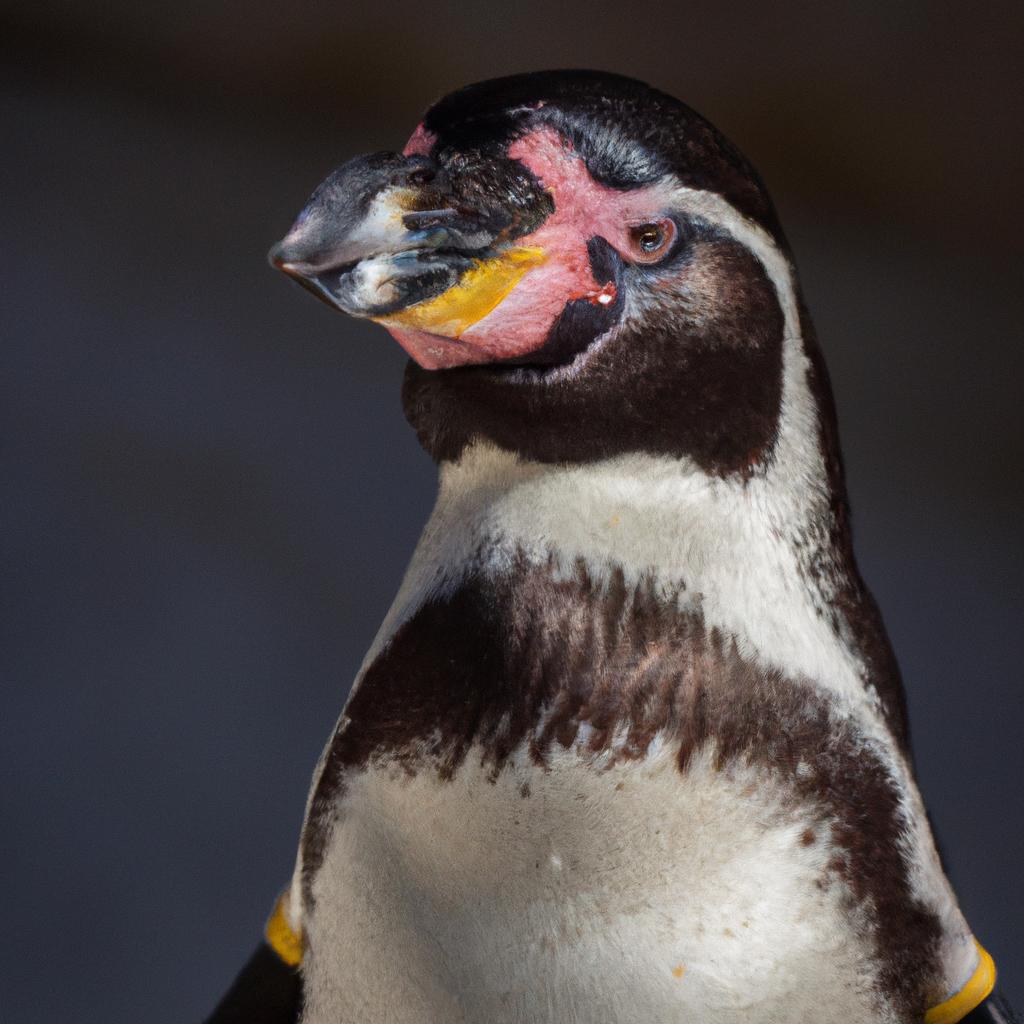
(650, 242)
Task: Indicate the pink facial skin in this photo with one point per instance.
(420, 143)
(583, 208)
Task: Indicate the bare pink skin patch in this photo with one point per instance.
(583, 208)
(420, 143)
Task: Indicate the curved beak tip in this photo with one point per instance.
(278, 259)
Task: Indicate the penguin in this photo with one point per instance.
(631, 745)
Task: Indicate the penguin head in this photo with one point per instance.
(579, 266)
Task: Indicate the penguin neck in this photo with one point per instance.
(648, 514)
(764, 559)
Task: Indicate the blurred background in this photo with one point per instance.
(209, 492)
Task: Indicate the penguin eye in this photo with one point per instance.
(649, 242)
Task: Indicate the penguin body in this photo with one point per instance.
(631, 744)
(570, 786)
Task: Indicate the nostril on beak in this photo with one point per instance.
(419, 220)
(421, 176)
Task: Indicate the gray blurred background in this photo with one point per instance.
(209, 492)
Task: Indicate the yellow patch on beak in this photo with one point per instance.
(479, 291)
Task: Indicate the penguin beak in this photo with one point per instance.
(386, 237)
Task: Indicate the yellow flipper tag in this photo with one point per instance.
(479, 291)
(975, 992)
(280, 936)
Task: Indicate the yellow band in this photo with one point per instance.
(481, 289)
(280, 936)
(976, 991)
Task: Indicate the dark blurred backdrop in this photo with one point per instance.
(209, 492)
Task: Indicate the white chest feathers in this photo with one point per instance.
(632, 895)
